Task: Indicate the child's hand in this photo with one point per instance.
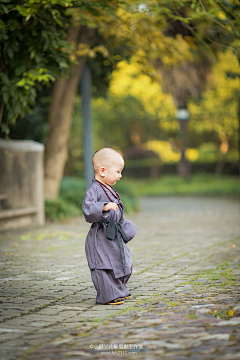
(110, 206)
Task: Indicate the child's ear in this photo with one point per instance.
(102, 171)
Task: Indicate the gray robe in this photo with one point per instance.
(103, 253)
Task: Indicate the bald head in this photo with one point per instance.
(106, 157)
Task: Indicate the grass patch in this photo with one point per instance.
(191, 316)
(222, 276)
(173, 303)
(198, 184)
(221, 314)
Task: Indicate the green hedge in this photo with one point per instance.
(59, 209)
(198, 184)
(72, 192)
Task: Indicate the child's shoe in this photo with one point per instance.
(118, 301)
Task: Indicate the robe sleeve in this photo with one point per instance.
(92, 209)
(129, 227)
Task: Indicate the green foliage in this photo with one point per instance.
(223, 18)
(221, 314)
(127, 117)
(34, 49)
(128, 196)
(71, 195)
(59, 209)
(102, 65)
(216, 23)
(73, 191)
(200, 184)
(208, 152)
(34, 126)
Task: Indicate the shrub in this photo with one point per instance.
(73, 190)
(71, 195)
(128, 196)
(59, 209)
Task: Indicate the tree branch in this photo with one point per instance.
(204, 9)
(231, 23)
(195, 34)
(1, 110)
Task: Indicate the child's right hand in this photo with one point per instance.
(110, 206)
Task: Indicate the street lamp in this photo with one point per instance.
(183, 115)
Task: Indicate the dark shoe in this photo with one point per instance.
(118, 301)
(127, 297)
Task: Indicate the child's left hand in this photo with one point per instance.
(110, 206)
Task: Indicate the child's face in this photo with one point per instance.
(113, 172)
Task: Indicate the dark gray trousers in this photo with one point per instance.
(107, 286)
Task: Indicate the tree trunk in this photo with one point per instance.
(183, 167)
(60, 116)
(238, 114)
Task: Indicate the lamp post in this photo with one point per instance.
(85, 88)
(183, 115)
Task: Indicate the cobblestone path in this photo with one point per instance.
(185, 300)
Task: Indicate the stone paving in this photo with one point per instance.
(185, 300)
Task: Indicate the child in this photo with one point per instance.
(109, 258)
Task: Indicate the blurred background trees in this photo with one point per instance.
(147, 61)
(131, 116)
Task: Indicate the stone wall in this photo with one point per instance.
(21, 179)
